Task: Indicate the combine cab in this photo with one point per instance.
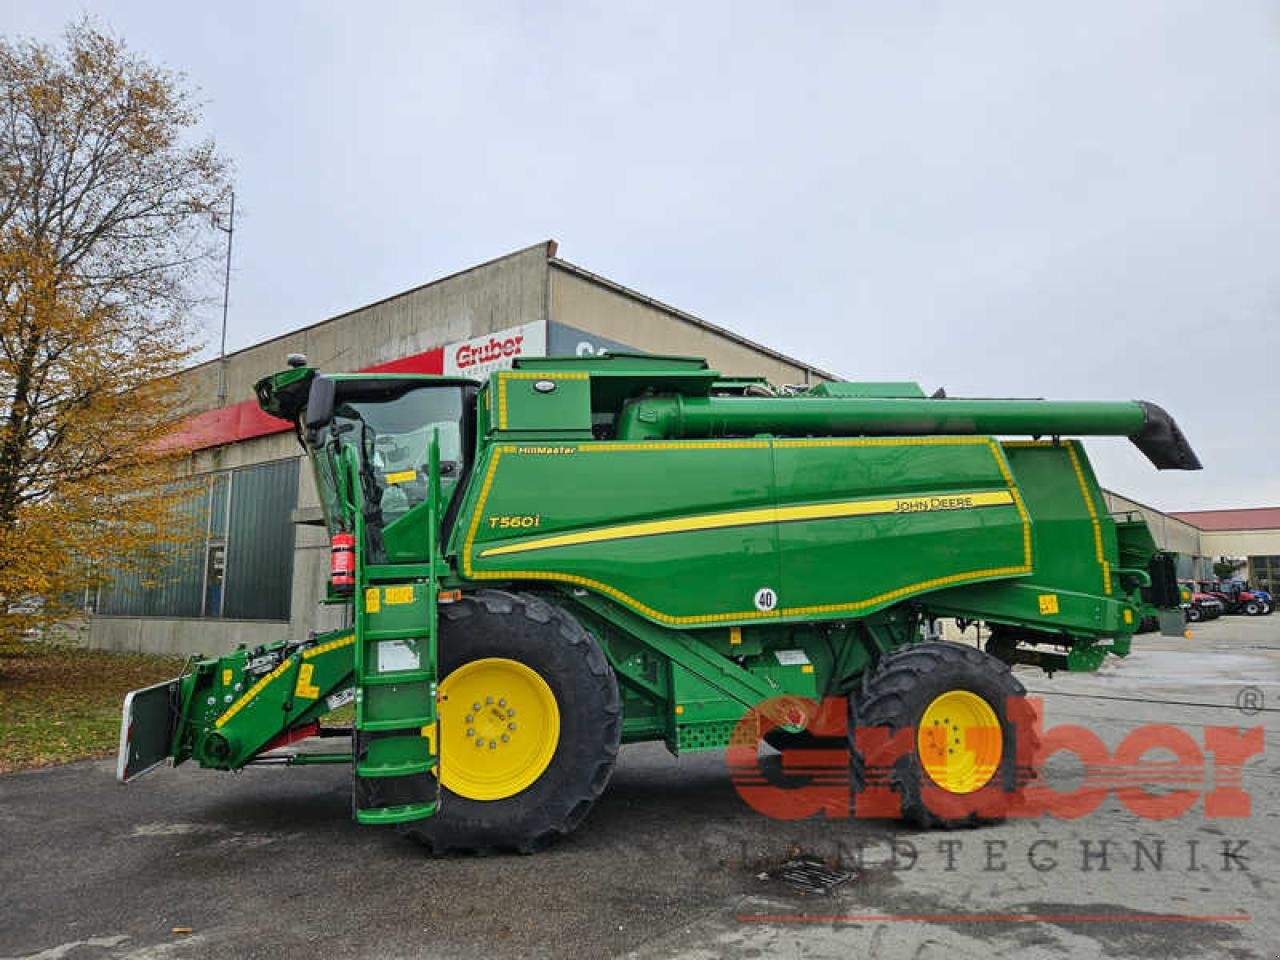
(585, 552)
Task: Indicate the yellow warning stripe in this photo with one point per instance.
(253, 691)
(1093, 517)
(326, 647)
(280, 671)
(1017, 498)
(744, 518)
(480, 502)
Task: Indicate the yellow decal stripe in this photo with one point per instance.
(906, 591)
(634, 604)
(304, 681)
(484, 496)
(744, 518)
(1017, 497)
(326, 647)
(253, 691)
(1093, 517)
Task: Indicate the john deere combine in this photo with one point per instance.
(581, 553)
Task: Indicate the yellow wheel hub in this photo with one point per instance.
(499, 727)
(959, 741)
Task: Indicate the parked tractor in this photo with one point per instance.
(1264, 597)
(1199, 606)
(1235, 597)
(581, 553)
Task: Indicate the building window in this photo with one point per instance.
(242, 568)
(1264, 573)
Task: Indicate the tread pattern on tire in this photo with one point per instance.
(884, 701)
(552, 806)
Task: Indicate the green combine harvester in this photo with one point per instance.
(587, 552)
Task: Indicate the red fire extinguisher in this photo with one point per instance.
(342, 562)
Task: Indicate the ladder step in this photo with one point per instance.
(407, 724)
(407, 633)
(395, 769)
(402, 814)
(383, 679)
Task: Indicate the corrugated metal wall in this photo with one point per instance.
(172, 589)
(260, 542)
(254, 538)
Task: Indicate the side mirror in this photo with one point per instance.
(320, 403)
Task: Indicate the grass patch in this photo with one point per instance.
(62, 703)
(344, 716)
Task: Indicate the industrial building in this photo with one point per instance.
(1199, 537)
(258, 575)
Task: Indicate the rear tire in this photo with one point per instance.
(1253, 608)
(498, 627)
(919, 686)
(1194, 614)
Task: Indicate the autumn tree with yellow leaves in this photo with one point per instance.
(106, 199)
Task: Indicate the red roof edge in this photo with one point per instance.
(1243, 518)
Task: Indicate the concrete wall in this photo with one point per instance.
(592, 303)
(501, 293)
(1241, 543)
(182, 637)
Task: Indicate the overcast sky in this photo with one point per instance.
(1076, 200)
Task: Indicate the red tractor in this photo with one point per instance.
(1199, 606)
(1235, 598)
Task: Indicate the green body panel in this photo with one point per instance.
(831, 527)
(728, 545)
(930, 527)
(1075, 554)
(599, 488)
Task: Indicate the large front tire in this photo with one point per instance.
(530, 722)
(956, 700)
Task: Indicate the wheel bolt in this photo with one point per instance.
(505, 738)
(502, 703)
(488, 699)
(511, 713)
(470, 718)
(470, 732)
(475, 707)
(492, 744)
(480, 742)
(511, 726)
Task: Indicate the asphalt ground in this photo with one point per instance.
(672, 862)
